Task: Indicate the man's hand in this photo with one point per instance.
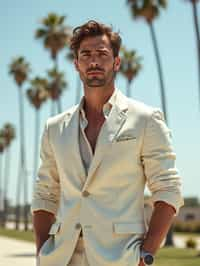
(42, 221)
(158, 227)
(141, 263)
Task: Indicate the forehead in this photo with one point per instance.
(95, 43)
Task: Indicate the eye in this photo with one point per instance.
(103, 54)
(85, 55)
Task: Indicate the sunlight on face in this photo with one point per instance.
(96, 63)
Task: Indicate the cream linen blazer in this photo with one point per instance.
(133, 149)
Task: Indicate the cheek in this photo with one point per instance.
(80, 68)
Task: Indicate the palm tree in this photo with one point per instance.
(70, 57)
(8, 133)
(149, 10)
(56, 86)
(130, 66)
(55, 36)
(197, 30)
(37, 95)
(20, 69)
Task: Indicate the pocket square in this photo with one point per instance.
(125, 137)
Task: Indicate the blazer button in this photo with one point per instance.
(85, 193)
(78, 226)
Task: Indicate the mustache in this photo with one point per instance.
(95, 69)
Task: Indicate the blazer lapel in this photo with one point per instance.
(71, 129)
(108, 133)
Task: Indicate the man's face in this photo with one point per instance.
(95, 63)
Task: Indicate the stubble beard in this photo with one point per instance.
(95, 82)
(100, 82)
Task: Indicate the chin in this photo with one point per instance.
(95, 83)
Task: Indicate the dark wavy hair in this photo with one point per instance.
(92, 29)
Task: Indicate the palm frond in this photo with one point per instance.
(54, 33)
(2, 142)
(148, 9)
(130, 63)
(20, 69)
(8, 133)
(37, 94)
(41, 33)
(57, 83)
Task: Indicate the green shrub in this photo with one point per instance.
(191, 243)
(189, 226)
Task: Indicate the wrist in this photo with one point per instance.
(147, 245)
(146, 257)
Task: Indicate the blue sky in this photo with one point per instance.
(176, 38)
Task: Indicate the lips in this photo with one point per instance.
(95, 73)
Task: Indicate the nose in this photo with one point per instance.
(94, 61)
(94, 64)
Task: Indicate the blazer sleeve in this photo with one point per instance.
(46, 192)
(158, 158)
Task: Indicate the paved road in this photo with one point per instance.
(20, 253)
(16, 253)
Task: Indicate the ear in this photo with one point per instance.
(117, 63)
(76, 64)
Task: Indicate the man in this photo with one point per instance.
(88, 204)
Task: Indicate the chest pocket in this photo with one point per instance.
(125, 144)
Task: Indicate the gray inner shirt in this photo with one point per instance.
(84, 145)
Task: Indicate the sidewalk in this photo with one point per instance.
(21, 253)
(16, 253)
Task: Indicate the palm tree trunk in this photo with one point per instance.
(18, 194)
(23, 160)
(160, 73)
(36, 150)
(55, 59)
(6, 183)
(59, 103)
(128, 89)
(23, 171)
(78, 90)
(53, 109)
(26, 206)
(195, 15)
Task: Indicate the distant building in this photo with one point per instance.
(188, 214)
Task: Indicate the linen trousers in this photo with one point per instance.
(79, 257)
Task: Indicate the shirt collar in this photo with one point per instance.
(106, 107)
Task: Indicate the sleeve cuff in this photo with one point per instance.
(45, 205)
(170, 198)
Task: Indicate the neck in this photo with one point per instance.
(95, 98)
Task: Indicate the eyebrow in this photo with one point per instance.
(102, 49)
(98, 50)
(84, 51)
